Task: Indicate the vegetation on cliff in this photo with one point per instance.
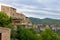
(4, 19)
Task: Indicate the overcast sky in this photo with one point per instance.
(36, 8)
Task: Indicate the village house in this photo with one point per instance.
(42, 27)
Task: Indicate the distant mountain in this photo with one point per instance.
(35, 20)
(44, 21)
(47, 19)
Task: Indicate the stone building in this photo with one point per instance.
(9, 10)
(4, 33)
(21, 19)
(18, 18)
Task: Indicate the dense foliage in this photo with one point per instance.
(48, 34)
(4, 19)
(30, 34)
(25, 34)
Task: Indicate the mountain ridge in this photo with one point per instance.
(44, 21)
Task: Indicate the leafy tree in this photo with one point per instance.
(26, 34)
(4, 19)
(48, 34)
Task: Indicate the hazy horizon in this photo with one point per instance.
(36, 8)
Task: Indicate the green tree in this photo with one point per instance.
(48, 34)
(26, 34)
(4, 19)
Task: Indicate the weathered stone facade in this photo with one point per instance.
(18, 18)
(9, 10)
(4, 33)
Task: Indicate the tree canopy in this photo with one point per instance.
(5, 20)
(26, 34)
(48, 34)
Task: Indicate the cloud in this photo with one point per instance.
(53, 4)
(36, 8)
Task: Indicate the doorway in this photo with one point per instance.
(0, 36)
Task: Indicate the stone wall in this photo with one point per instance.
(5, 33)
(9, 10)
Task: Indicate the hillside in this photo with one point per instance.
(44, 21)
